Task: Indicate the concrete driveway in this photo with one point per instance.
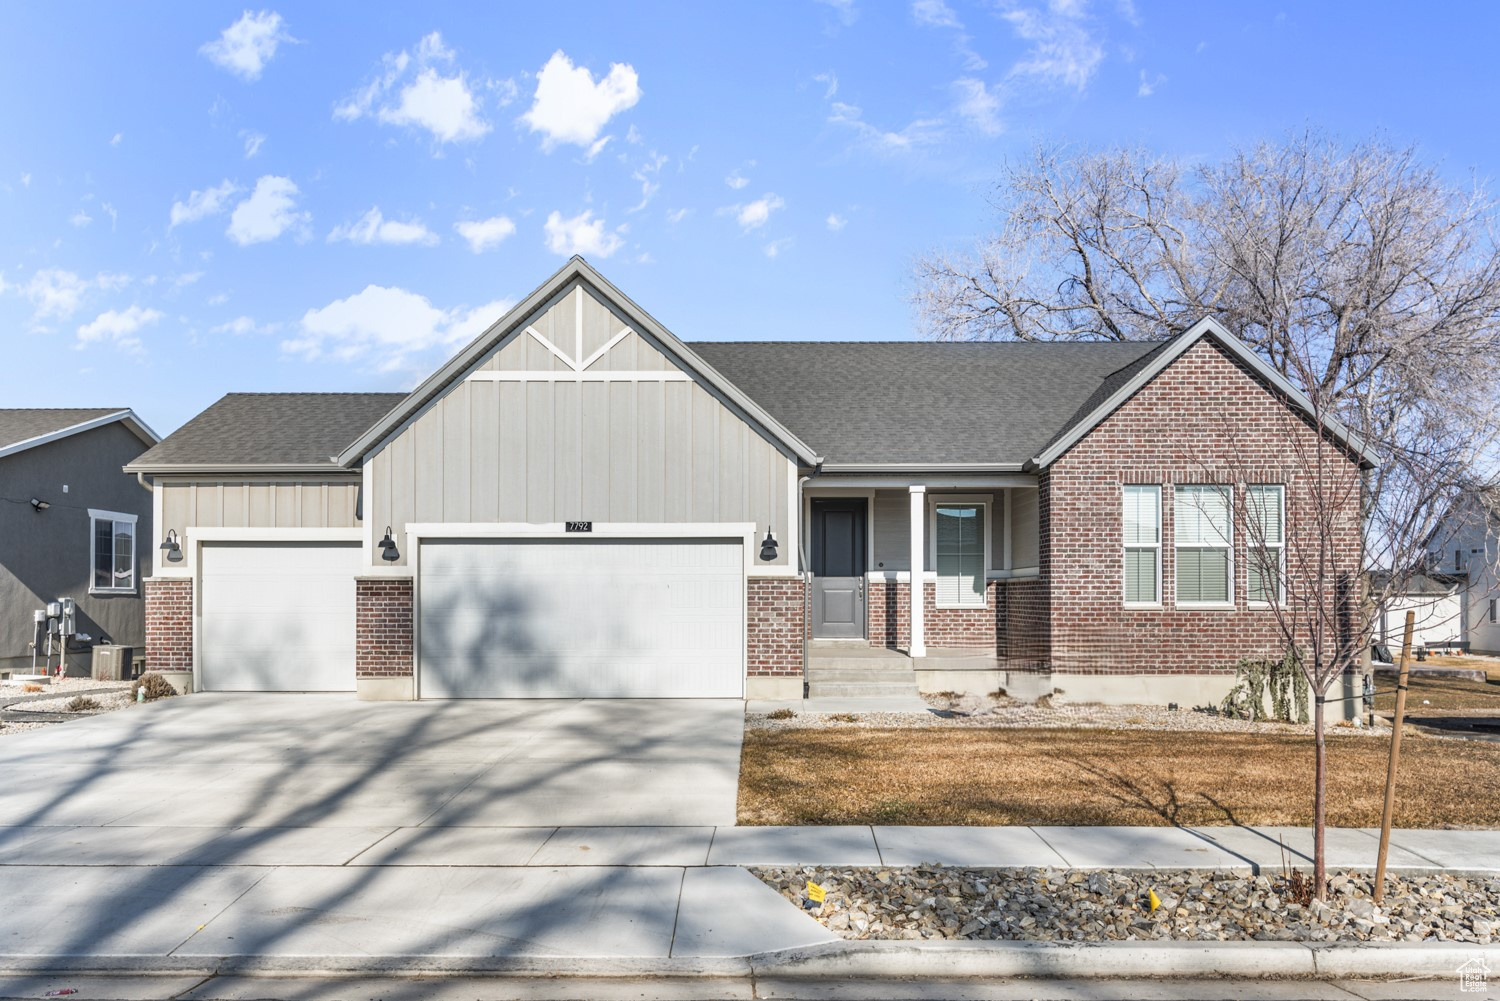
(329, 761)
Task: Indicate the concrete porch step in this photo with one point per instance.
(834, 674)
(861, 690)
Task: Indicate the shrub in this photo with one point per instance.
(1282, 680)
(155, 685)
(80, 703)
(31, 688)
(785, 712)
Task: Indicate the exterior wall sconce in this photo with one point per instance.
(388, 550)
(768, 546)
(172, 547)
(39, 505)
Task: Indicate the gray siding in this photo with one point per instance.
(45, 555)
(1024, 528)
(892, 513)
(318, 503)
(543, 451)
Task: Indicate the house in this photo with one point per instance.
(72, 525)
(1438, 599)
(1463, 552)
(579, 503)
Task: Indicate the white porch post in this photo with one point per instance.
(918, 562)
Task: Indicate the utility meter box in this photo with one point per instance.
(112, 662)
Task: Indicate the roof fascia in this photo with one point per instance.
(137, 427)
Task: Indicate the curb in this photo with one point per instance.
(956, 960)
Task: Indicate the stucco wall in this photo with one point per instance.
(45, 555)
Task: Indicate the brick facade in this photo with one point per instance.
(775, 625)
(888, 618)
(383, 627)
(1205, 419)
(169, 624)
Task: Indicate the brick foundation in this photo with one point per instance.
(383, 627)
(775, 624)
(169, 624)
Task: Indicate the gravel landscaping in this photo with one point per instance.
(1054, 905)
(50, 705)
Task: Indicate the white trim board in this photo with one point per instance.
(138, 427)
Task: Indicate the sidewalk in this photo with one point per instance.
(599, 900)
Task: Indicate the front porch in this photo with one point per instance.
(851, 676)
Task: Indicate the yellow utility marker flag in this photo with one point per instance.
(1155, 901)
(816, 893)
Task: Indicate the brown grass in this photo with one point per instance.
(1490, 665)
(1059, 776)
(1443, 695)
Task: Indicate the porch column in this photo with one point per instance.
(918, 562)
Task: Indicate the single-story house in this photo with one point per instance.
(578, 503)
(72, 525)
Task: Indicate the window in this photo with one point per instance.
(1265, 517)
(112, 552)
(1201, 516)
(1142, 545)
(958, 537)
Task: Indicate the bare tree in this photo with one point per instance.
(1355, 271)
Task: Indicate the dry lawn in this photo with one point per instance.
(1108, 777)
(1490, 665)
(1440, 695)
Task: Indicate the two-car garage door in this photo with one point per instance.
(571, 618)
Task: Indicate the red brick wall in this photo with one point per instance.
(776, 617)
(888, 618)
(383, 627)
(1025, 630)
(169, 624)
(1205, 419)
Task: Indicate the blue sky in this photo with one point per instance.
(199, 198)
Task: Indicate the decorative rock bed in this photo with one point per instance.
(1053, 905)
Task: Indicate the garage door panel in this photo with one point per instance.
(277, 617)
(646, 618)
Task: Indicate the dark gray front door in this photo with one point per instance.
(838, 564)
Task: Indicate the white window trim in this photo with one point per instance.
(95, 515)
(1125, 547)
(1229, 575)
(1280, 601)
(984, 502)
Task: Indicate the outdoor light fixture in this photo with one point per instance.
(172, 547)
(768, 546)
(39, 505)
(388, 550)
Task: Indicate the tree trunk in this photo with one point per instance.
(1320, 796)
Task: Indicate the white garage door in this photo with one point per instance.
(277, 617)
(587, 618)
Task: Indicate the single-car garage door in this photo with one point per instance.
(277, 617)
(585, 618)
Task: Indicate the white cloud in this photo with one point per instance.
(248, 44)
(485, 234)
(109, 210)
(442, 104)
(390, 325)
(54, 292)
(202, 204)
(25, 180)
(253, 142)
(645, 174)
(267, 213)
(242, 325)
(844, 8)
(117, 139)
(582, 234)
(753, 215)
(978, 105)
(218, 298)
(1063, 51)
(81, 219)
(677, 215)
(836, 222)
(187, 278)
(830, 83)
(920, 132)
(569, 107)
(736, 180)
(373, 227)
(1149, 84)
(118, 327)
(934, 14)
(775, 247)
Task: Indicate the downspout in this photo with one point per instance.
(803, 573)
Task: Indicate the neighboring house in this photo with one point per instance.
(73, 524)
(580, 504)
(1438, 600)
(1465, 547)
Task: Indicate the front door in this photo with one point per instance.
(838, 564)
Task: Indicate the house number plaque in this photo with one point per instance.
(580, 526)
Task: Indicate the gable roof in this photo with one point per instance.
(1124, 384)
(268, 432)
(25, 428)
(918, 404)
(575, 271)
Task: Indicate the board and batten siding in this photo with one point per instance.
(317, 503)
(582, 420)
(892, 514)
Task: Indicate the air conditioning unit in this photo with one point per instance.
(112, 662)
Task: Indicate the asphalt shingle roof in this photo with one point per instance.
(269, 429)
(926, 402)
(18, 425)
